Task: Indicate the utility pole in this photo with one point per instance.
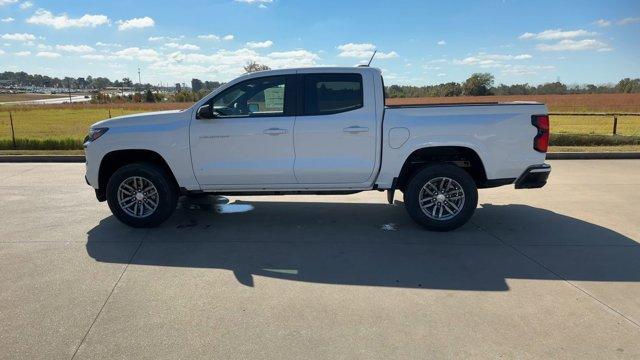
(69, 89)
(140, 83)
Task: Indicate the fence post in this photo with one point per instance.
(13, 134)
(109, 113)
(615, 124)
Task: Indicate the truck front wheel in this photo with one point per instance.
(141, 195)
(441, 197)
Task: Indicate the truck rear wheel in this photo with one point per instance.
(141, 195)
(441, 197)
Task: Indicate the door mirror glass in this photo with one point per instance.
(254, 108)
(205, 112)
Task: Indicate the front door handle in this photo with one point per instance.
(275, 131)
(355, 129)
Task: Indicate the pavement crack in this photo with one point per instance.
(556, 274)
(109, 296)
(20, 173)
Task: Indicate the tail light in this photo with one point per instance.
(541, 141)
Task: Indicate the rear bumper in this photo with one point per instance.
(534, 177)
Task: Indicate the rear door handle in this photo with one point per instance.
(275, 131)
(355, 129)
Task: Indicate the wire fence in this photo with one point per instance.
(70, 124)
(595, 123)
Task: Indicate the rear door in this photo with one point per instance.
(335, 130)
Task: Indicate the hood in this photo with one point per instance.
(143, 118)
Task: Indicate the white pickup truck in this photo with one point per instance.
(316, 131)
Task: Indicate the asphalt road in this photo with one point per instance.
(549, 273)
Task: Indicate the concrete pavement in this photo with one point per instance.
(553, 272)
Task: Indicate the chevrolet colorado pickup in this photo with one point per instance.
(316, 131)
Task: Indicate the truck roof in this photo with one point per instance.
(316, 69)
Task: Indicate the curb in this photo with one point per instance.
(550, 156)
(593, 156)
(42, 158)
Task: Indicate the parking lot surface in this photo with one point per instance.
(548, 273)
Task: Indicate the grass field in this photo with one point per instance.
(68, 123)
(28, 97)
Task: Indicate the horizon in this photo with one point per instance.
(526, 43)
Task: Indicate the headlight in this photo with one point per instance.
(95, 133)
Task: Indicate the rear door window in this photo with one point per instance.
(332, 93)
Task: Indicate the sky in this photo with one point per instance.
(419, 42)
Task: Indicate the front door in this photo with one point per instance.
(249, 140)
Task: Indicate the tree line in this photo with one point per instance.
(478, 84)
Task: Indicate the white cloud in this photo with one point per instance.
(225, 65)
(353, 50)
(99, 43)
(363, 51)
(227, 37)
(1, 51)
(629, 20)
(575, 45)
(135, 53)
(22, 53)
(26, 5)
(441, 74)
(7, 20)
(555, 34)
(521, 70)
(48, 54)
(155, 38)
(94, 57)
(136, 23)
(7, 2)
(182, 46)
(602, 23)
(255, 2)
(485, 60)
(209, 37)
(44, 47)
(259, 44)
(442, 42)
(18, 37)
(79, 49)
(389, 55)
(44, 17)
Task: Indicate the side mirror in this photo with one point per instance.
(205, 112)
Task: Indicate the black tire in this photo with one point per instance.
(167, 194)
(422, 177)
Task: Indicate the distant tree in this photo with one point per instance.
(450, 89)
(82, 83)
(100, 83)
(253, 66)
(627, 85)
(178, 87)
(211, 85)
(478, 84)
(127, 82)
(551, 88)
(149, 97)
(196, 85)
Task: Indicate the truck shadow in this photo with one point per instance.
(374, 245)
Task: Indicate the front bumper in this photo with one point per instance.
(534, 177)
